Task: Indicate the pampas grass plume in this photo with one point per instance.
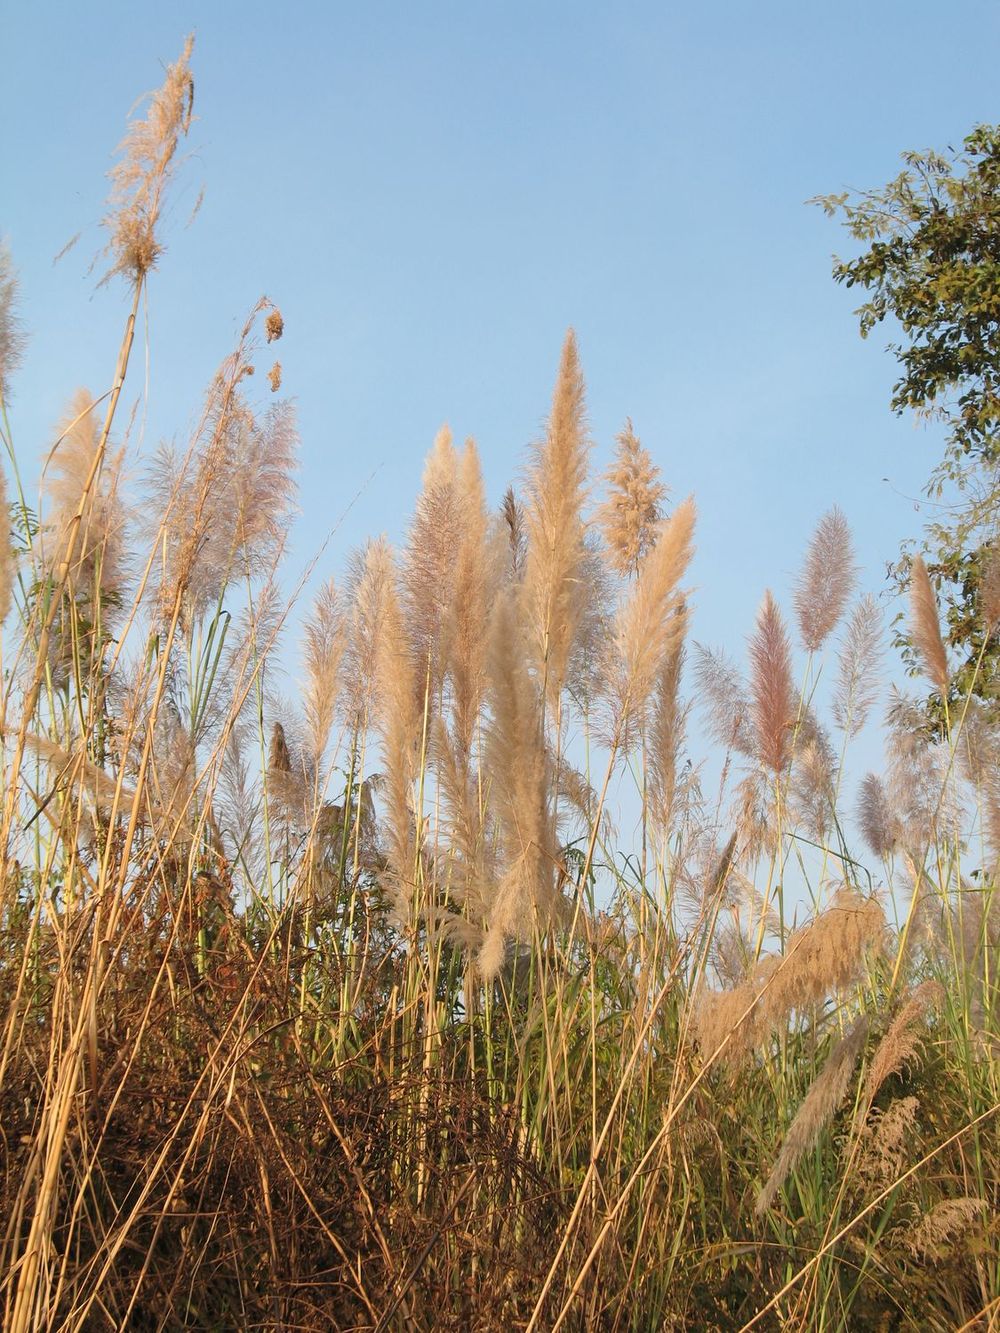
(927, 627)
(630, 515)
(139, 179)
(826, 580)
(818, 1108)
(771, 687)
(556, 590)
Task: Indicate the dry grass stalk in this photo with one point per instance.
(858, 667)
(772, 692)
(826, 580)
(824, 1098)
(556, 593)
(927, 627)
(147, 163)
(629, 517)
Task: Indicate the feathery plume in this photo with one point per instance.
(324, 649)
(555, 590)
(274, 377)
(99, 551)
(11, 335)
(724, 697)
(989, 586)
(224, 509)
(826, 580)
(902, 1041)
(399, 718)
(428, 567)
(771, 687)
(666, 733)
(813, 792)
(886, 1140)
(518, 765)
(823, 957)
(946, 1222)
(647, 624)
(476, 581)
(139, 179)
(629, 518)
(818, 1108)
(858, 667)
(927, 627)
(920, 795)
(100, 786)
(513, 518)
(274, 325)
(879, 826)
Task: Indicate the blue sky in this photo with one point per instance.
(433, 192)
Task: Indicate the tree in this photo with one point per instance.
(932, 262)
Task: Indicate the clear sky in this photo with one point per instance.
(432, 192)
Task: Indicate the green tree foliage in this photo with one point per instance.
(931, 263)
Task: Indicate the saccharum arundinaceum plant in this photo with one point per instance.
(355, 1010)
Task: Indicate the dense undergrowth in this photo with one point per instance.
(356, 1011)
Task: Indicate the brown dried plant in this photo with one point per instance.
(630, 515)
(826, 580)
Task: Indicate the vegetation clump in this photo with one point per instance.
(356, 1011)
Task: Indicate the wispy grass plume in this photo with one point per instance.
(826, 580)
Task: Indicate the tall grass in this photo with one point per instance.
(354, 1011)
